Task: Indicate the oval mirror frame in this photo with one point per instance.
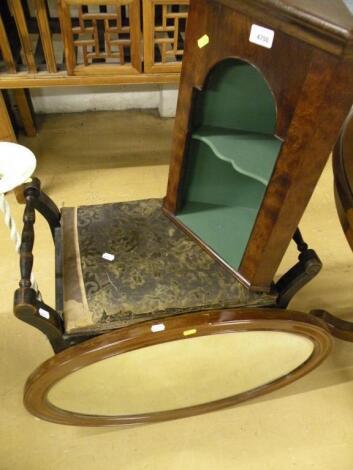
(181, 327)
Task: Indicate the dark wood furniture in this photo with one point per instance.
(343, 172)
(343, 188)
(254, 128)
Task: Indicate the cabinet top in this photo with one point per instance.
(327, 24)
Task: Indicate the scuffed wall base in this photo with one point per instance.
(78, 99)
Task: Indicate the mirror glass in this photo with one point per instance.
(181, 373)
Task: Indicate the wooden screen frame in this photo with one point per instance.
(149, 40)
(135, 37)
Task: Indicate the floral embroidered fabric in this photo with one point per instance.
(150, 268)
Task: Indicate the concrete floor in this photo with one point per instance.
(103, 157)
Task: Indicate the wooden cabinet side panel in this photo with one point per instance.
(191, 73)
(325, 102)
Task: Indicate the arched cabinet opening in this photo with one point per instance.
(230, 156)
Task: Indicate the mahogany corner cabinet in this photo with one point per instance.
(265, 88)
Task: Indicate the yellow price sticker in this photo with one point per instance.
(203, 41)
(189, 332)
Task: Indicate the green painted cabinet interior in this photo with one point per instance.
(230, 156)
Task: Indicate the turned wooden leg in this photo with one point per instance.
(24, 104)
(6, 130)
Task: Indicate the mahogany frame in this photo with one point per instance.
(139, 336)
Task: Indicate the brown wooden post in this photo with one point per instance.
(6, 49)
(6, 130)
(45, 34)
(23, 101)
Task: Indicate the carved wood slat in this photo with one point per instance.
(45, 34)
(164, 32)
(66, 31)
(18, 13)
(6, 49)
(148, 35)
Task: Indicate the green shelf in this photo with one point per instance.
(251, 154)
(219, 203)
(219, 227)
